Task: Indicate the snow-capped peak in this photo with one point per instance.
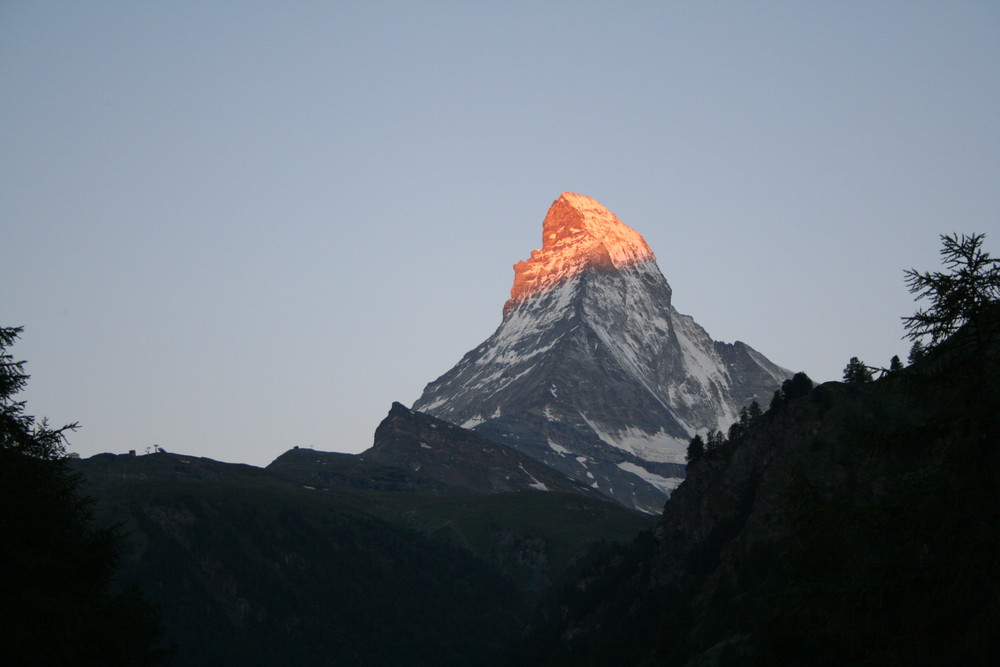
(592, 362)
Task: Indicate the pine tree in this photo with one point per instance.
(857, 372)
(735, 431)
(798, 385)
(917, 352)
(696, 449)
(895, 364)
(957, 297)
(777, 399)
(55, 568)
(714, 440)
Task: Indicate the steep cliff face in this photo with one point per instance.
(858, 524)
(592, 370)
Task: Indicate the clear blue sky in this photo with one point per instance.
(234, 227)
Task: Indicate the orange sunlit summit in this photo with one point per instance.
(578, 234)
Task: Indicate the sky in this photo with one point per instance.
(231, 228)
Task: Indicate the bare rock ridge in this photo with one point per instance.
(592, 371)
(459, 458)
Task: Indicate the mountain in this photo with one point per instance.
(852, 524)
(592, 371)
(434, 547)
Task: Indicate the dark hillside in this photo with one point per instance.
(857, 524)
(250, 571)
(326, 558)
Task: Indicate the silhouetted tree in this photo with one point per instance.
(857, 372)
(748, 416)
(19, 432)
(917, 352)
(738, 428)
(777, 399)
(735, 431)
(714, 440)
(798, 385)
(55, 569)
(895, 364)
(959, 296)
(696, 448)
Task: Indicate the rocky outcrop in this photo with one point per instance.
(459, 458)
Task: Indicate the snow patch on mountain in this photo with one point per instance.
(559, 449)
(665, 484)
(535, 484)
(475, 420)
(656, 447)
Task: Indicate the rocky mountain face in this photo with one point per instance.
(460, 458)
(592, 371)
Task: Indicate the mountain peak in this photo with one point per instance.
(578, 233)
(592, 371)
